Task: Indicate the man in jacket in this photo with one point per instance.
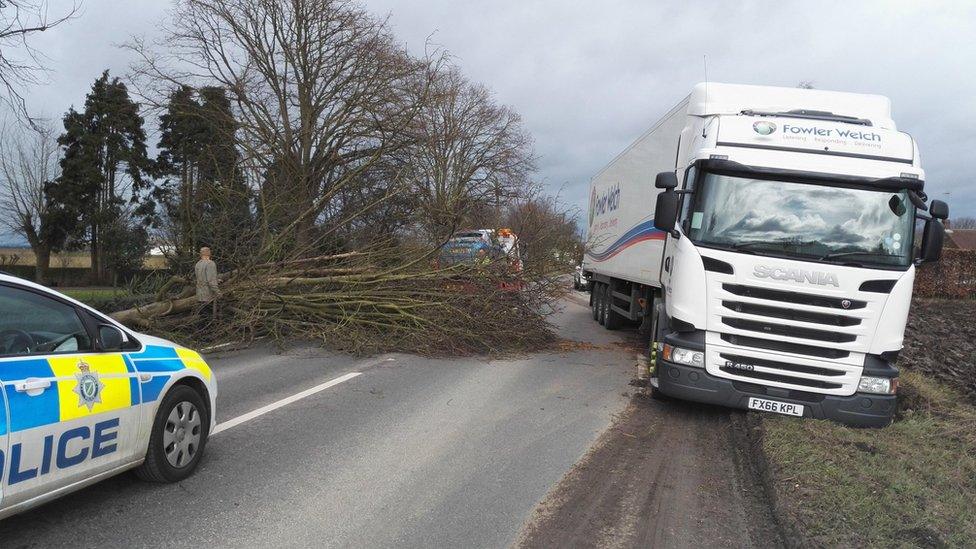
(207, 285)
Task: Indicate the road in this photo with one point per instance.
(549, 449)
(414, 453)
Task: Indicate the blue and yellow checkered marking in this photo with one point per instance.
(118, 372)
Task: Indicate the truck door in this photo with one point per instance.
(687, 179)
(69, 405)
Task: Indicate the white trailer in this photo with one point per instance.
(765, 238)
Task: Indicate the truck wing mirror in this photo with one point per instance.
(666, 211)
(939, 209)
(666, 180)
(932, 238)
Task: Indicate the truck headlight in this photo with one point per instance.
(684, 356)
(878, 385)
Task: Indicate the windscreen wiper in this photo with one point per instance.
(778, 243)
(747, 246)
(849, 254)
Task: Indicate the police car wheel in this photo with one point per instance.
(178, 437)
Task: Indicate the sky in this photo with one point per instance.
(589, 77)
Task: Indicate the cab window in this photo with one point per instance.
(32, 324)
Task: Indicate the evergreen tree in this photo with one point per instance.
(180, 142)
(105, 164)
(205, 196)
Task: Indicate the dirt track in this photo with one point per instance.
(668, 474)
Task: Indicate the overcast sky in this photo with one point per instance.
(589, 77)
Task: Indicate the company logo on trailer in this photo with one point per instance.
(764, 128)
(607, 201)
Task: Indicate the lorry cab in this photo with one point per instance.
(788, 251)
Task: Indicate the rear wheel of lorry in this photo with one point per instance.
(612, 319)
(594, 307)
(601, 308)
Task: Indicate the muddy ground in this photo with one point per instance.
(677, 474)
(940, 341)
(667, 474)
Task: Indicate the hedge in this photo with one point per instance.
(954, 277)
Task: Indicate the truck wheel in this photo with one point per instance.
(601, 307)
(178, 437)
(612, 319)
(656, 334)
(594, 307)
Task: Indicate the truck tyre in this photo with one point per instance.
(601, 297)
(613, 320)
(593, 302)
(178, 437)
(657, 331)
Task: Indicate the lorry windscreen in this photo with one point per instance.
(801, 220)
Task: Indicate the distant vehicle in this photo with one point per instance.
(580, 280)
(481, 245)
(84, 398)
(776, 269)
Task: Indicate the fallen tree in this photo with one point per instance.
(381, 299)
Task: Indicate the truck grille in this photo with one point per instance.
(780, 371)
(788, 331)
(785, 346)
(817, 339)
(794, 297)
(791, 314)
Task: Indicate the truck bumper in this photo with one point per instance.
(695, 384)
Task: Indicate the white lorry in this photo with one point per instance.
(766, 238)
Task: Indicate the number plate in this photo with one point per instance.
(787, 408)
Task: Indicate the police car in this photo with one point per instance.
(84, 398)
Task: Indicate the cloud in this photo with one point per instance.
(589, 77)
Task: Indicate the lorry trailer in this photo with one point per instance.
(765, 239)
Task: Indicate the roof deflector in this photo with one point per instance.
(812, 115)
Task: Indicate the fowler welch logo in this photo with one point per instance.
(602, 203)
(764, 128)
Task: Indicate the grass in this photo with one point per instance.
(87, 295)
(908, 485)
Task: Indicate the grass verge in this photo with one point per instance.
(911, 484)
(106, 299)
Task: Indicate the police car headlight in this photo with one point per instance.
(684, 356)
(878, 385)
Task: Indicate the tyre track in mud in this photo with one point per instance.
(665, 474)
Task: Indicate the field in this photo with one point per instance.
(910, 484)
(24, 257)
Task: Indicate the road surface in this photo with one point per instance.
(416, 452)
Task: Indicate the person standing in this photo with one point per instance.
(207, 285)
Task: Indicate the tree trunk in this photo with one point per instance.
(42, 263)
(304, 236)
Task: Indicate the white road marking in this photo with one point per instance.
(230, 424)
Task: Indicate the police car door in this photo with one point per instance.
(70, 407)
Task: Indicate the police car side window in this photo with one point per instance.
(32, 324)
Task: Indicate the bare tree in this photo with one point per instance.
(320, 89)
(20, 63)
(964, 223)
(472, 155)
(28, 162)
